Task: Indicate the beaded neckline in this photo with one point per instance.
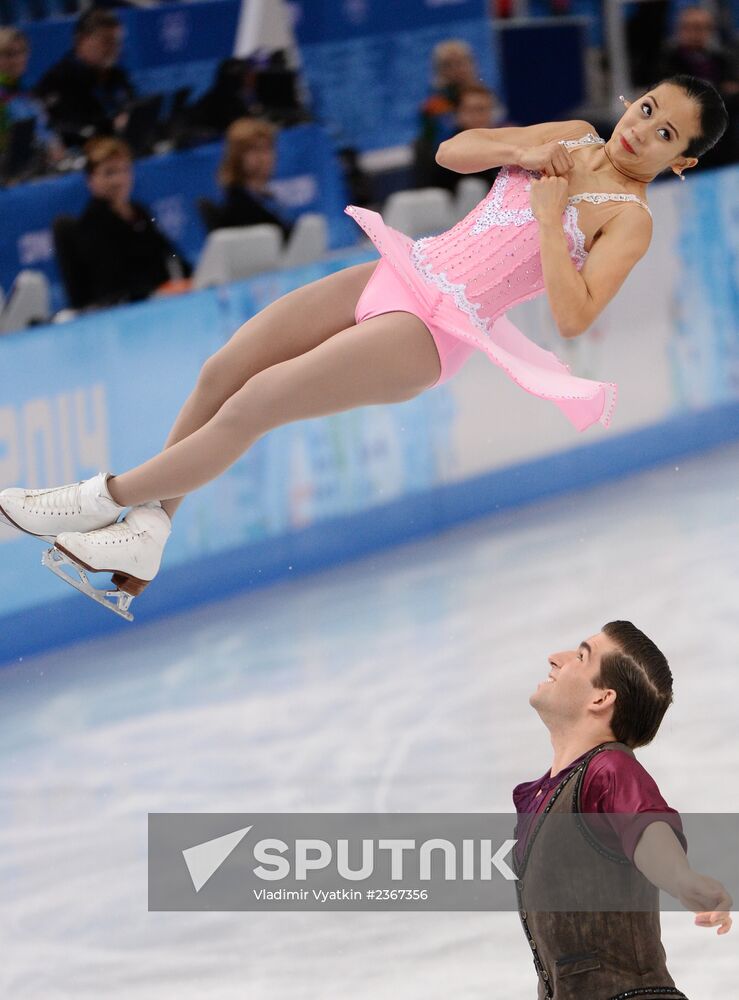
(599, 197)
(590, 139)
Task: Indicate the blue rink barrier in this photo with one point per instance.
(308, 178)
(336, 540)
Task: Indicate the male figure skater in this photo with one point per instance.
(599, 702)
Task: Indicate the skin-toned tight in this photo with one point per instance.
(301, 357)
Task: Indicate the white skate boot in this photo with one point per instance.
(131, 550)
(83, 506)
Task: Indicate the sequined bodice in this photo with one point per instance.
(490, 261)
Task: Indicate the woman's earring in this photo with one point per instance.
(622, 99)
(681, 176)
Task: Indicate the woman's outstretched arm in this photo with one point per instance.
(577, 297)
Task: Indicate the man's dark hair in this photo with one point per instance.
(93, 20)
(714, 118)
(640, 675)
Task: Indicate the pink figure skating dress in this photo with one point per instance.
(462, 282)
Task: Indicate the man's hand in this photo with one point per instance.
(551, 158)
(708, 899)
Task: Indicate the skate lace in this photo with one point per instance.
(61, 498)
(117, 534)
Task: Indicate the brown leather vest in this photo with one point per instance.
(589, 955)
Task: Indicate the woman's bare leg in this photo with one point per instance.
(295, 323)
(387, 359)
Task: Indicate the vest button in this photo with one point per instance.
(523, 914)
(533, 944)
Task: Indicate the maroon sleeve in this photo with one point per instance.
(617, 786)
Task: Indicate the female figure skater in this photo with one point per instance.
(566, 215)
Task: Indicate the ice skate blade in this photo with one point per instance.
(61, 564)
(5, 520)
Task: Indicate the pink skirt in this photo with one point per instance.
(385, 292)
(540, 372)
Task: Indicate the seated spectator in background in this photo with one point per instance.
(118, 252)
(230, 96)
(87, 92)
(18, 104)
(277, 90)
(477, 107)
(246, 169)
(695, 50)
(454, 70)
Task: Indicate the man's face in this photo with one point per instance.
(475, 111)
(14, 59)
(695, 29)
(457, 67)
(567, 692)
(101, 48)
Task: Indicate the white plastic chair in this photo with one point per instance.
(29, 301)
(470, 192)
(233, 254)
(308, 240)
(417, 213)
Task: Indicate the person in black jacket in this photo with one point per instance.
(230, 96)
(246, 169)
(119, 253)
(87, 92)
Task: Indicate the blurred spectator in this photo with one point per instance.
(277, 91)
(114, 252)
(695, 50)
(87, 92)
(477, 107)
(17, 104)
(454, 70)
(230, 96)
(246, 169)
(358, 181)
(646, 29)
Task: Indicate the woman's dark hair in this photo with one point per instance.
(640, 675)
(714, 119)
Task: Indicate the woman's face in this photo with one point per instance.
(258, 162)
(14, 59)
(654, 130)
(112, 180)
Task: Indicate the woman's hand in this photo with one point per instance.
(551, 158)
(549, 198)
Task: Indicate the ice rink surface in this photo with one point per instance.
(400, 683)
